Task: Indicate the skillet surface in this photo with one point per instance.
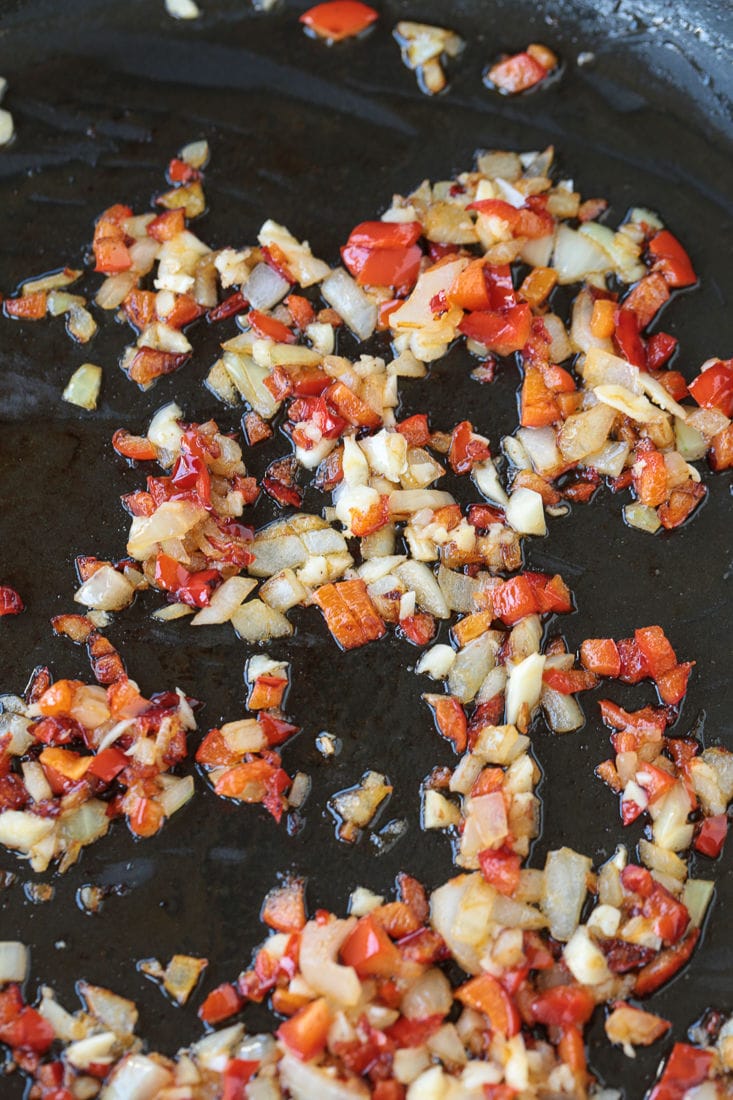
(102, 95)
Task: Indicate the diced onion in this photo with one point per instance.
(350, 302)
(106, 590)
(225, 601)
(83, 387)
(13, 961)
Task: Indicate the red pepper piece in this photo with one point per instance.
(31, 307)
(236, 1075)
(713, 388)
(666, 964)
(600, 655)
(569, 681)
(486, 994)
(500, 867)
(220, 1004)
(418, 628)
(339, 19)
(10, 601)
(108, 764)
(192, 588)
(149, 364)
(634, 668)
(647, 298)
(301, 310)
(135, 447)
(370, 950)
(415, 430)
(656, 650)
(659, 349)
(537, 404)
(672, 685)
(516, 74)
(686, 1067)
(671, 260)
(466, 449)
(711, 836)
(270, 327)
(305, 1033)
(167, 225)
(627, 339)
(393, 267)
(235, 303)
(501, 331)
(450, 719)
(414, 1033)
(563, 1006)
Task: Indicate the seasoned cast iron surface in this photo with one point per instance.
(103, 94)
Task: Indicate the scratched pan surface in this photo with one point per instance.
(103, 93)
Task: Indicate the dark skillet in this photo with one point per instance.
(103, 93)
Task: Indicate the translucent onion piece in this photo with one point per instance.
(83, 387)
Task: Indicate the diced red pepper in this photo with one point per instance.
(531, 220)
(220, 1004)
(671, 259)
(627, 339)
(192, 588)
(711, 836)
(149, 364)
(236, 1075)
(270, 327)
(686, 1067)
(21, 1026)
(275, 729)
(394, 267)
(647, 298)
(370, 950)
(649, 477)
(656, 650)
(266, 692)
(351, 407)
(135, 447)
(10, 601)
(301, 310)
(713, 388)
(167, 225)
(415, 430)
(666, 964)
(501, 331)
(315, 411)
(516, 73)
(418, 628)
(720, 455)
(108, 764)
(406, 1032)
(569, 681)
(670, 917)
(305, 1033)
(634, 668)
(146, 817)
(655, 781)
(682, 501)
(235, 303)
(31, 307)
(284, 907)
(500, 867)
(537, 404)
(466, 449)
(563, 1006)
(450, 718)
(485, 994)
(470, 289)
(600, 655)
(180, 171)
(659, 349)
(339, 19)
(514, 599)
(349, 613)
(385, 236)
(672, 685)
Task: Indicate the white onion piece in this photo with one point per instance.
(601, 368)
(13, 961)
(165, 430)
(302, 263)
(580, 331)
(416, 576)
(265, 287)
(83, 387)
(319, 948)
(697, 895)
(350, 302)
(249, 378)
(486, 825)
(106, 590)
(585, 432)
(7, 128)
(525, 512)
(256, 622)
(584, 959)
(404, 502)
(576, 256)
(115, 289)
(430, 995)
(304, 1081)
(224, 601)
(22, 830)
(137, 1077)
(196, 153)
(183, 9)
(417, 313)
(566, 874)
(540, 445)
(436, 662)
(172, 520)
(630, 404)
(485, 477)
(176, 793)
